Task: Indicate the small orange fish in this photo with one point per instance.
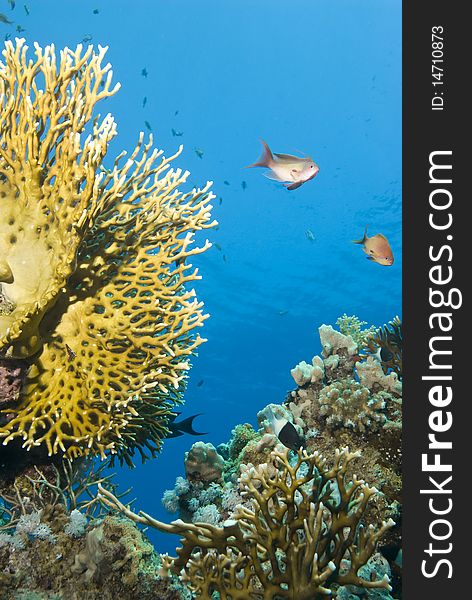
(377, 248)
(291, 170)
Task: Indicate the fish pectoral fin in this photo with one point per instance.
(294, 186)
(273, 176)
(370, 258)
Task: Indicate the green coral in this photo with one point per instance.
(353, 326)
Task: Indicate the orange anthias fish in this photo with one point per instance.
(291, 170)
(377, 248)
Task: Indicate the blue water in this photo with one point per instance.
(322, 77)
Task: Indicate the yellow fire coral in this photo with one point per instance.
(93, 271)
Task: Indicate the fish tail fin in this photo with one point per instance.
(364, 237)
(266, 159)
(187, 426)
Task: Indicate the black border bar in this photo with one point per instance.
(437, 128)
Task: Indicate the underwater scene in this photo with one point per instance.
(200, 300)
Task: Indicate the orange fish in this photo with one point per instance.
(291, 170)
(377, 248)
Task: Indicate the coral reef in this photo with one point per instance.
(203, 463)
(93, 267)
(349, 404)
(304, 373)
(356, 405)
(112, 560)
(353, 326)
(298, 528)
(332, 341)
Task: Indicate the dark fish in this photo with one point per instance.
(4, 19)
(243, 185)
(87, 38)
(200, 383)
(26, 9)
(224, 258)
(385, 355)
(286, 432)
(12, 4)
(199, 152)
(144, 101)
(218, 247)
(310, 235)
(20, 29)
(176, 133)
(95, 11)
(148, 125)
(226, 182)
(176, 113)
(221, 200)
(283, 312)
(179, 428)
(70, 353)
(144, 72)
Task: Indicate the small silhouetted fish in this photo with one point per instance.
(218, 247)
(224, 258)
(286, 432)
(20, 29)
(176, 133)
(199, 152)
(70, 353)
(179, 428)
(86, 38)
(7, 37)
(310, 235)
(26, 9)
(12, 4)
(95, 11)
(200, 383)
(243, 185)
(226, 182)
(283, 312)
(148, 125)
(144, 72)
(221, 200)
(176, 113)
(144, 101)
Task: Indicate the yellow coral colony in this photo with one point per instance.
(93, 268)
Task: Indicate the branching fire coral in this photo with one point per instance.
(299, 526)
(93, 271)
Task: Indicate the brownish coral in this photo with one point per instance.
(299, 525)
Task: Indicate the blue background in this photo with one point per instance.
(319, 76)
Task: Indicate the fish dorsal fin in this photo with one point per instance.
(288, 157)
